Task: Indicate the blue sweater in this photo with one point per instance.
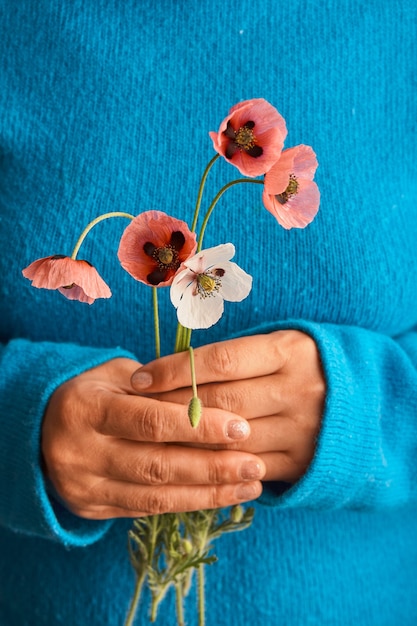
(106, 105)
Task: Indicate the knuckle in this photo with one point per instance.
(216, 472)
(216, 499)
(221, 359)
(156, 502)
(100, 413)
(279, 351)
(274, 391)
(228, 398)
(151, 424)
(156, 471)
(103, 419)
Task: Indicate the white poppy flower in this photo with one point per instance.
(198, 291)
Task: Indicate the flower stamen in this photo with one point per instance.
(207, 285)
(166, 257)
(243, 139)
(290, 191)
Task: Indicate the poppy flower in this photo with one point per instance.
(207, 279)
(153, 247)
(251, 137)
(289, 191)
(75, 279)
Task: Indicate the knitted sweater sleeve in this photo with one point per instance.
(29, 374)
(366, 452)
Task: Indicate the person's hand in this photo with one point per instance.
(274, 380)
(111, 453)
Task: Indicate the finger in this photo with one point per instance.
(277, 434)
(283, 435)
(235, 359)
(274, 433)
(146, 419)
(174, 464)
(283, 467)
(255, 397)
(127, 500)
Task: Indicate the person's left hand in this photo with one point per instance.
(275, 380)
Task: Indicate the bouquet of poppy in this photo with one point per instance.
(162, 251)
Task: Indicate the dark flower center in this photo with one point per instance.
(166, 257)
(290, 191)
(243, 139)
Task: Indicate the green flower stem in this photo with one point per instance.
(200, 191)
(204, 538)
(178, 338)
(155, 520)
(91, 225)
(217, 198)
(201, 595)
(156, 322)
(179, 603)
(187, 336)
(182, 339)
(135, 600)
(156, 599)
(193, 377)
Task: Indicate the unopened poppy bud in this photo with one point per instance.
(187, 546)
(194, 411)
(236, 514)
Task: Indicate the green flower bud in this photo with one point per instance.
(194, 411)
(187, 546)
(236, 513)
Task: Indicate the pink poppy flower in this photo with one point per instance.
(75, 279)
(289, 191)
(251, 137)
(153, 247)
(198, 291)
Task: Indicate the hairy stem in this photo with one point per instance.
(91, 225)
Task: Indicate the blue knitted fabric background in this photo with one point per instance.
(107, 105)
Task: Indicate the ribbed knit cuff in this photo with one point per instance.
(30, 374)
(363, 456)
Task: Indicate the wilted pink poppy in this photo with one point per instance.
(153, 247)
(289, 191)
(251, 137)
(207, 279)
(75, 279)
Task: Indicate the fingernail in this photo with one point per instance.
(251, 470)
(248, 492)
(142, 379)
(237, 429)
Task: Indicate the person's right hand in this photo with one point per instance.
(112, 453)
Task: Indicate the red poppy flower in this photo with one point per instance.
(251, 137)
(153, 247)
(289, 191)
(75, 279)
